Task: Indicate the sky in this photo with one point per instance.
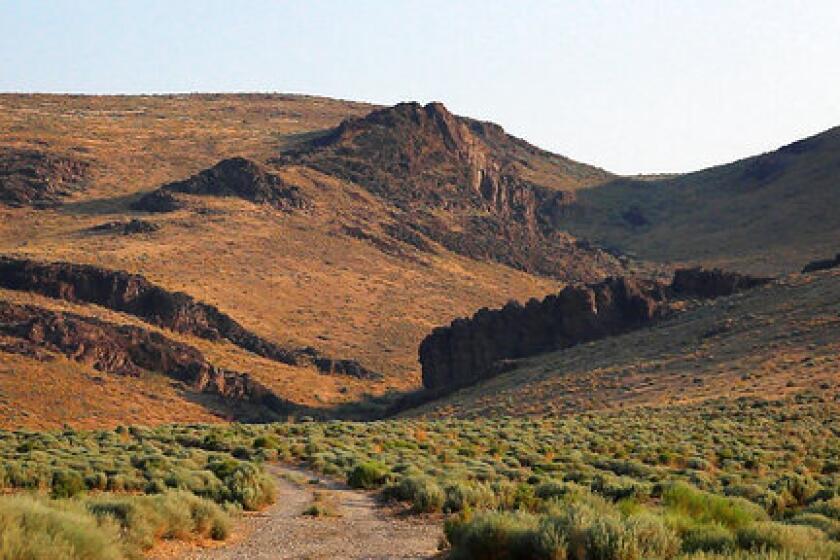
(635, 86)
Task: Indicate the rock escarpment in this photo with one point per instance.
(135, 295)
(464, 184)
(38, 178)
(235, 177)
(126, 350)
(469, 350)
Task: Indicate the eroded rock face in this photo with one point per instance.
(127, 350)
(824, 264)
(469, 350)
(711, 283)
(37, 178)
(133, 294)
(235, 177)
(463, 184)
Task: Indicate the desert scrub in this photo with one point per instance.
(368, 475)
(41, 529)
(143, 520)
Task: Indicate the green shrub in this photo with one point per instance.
(66, 484)
(503, 536)
(703, 507)
(425, 495)
(43, 530)
(776, 536)
(368, 475)
(709, 537)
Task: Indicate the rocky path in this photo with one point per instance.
(364, 530)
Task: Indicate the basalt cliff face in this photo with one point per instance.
(135, 295)
(125, 350)
(469, 350)
(465, 184)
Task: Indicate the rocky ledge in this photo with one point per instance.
(127, 350)
(135, 295)
(469, 350)
(235, 177)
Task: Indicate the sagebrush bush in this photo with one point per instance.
(32, 529)
(368, 475)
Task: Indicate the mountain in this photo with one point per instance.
(266, 228)
(202, 258)
(766, 214)
(464, 184)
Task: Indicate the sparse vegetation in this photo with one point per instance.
(719, 479)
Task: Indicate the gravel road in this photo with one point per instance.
(365, 529)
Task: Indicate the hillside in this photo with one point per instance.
(779, 339)
(766, 214)
(263, 222)
(288, 254)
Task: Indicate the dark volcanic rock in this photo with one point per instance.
(131, 227)
(824, 264)
(133, 294)
(158, 201)
(36, 178)
(129, 350)
(469, 350)
(463, 184)
(705, 283)
(234, 177)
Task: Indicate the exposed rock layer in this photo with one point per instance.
(133, 294)
(465, 184)
(469, 350)
(131, 227)
(127, 350)
(234, 177)
(37, 178)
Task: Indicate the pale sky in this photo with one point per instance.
(632, 86)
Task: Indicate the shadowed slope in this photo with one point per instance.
(768, 213)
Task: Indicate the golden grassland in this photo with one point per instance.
(294, 278)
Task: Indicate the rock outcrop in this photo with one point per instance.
(38, 178)
(135, 295)
(712, 283)
(469, 350)
(235, 177)
(824, 264)
(464, 184)
(131, 227)
(128, 350)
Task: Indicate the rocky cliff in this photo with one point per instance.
(235, 177)
(135, 295)
(125, 350)
(469, 350)
(465, 184)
